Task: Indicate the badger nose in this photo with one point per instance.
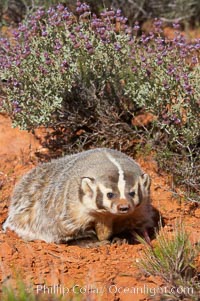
(123, 208)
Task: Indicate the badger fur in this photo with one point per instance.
(99, 192)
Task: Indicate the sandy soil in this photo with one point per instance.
(104, 273)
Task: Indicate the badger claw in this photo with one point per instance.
(119, 241)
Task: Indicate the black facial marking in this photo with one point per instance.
(129, 178)
(112, 184)
(99, 199)
(80, 192)
(114, 178)
(140, 195)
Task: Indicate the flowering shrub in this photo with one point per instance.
(83, 69)
(167, 83)
(55, 51)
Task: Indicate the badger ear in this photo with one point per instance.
(88, 186)
(145, 181)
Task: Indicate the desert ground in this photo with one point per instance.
(107, 272)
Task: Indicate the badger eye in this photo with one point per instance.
(110, 195)
(132, 193)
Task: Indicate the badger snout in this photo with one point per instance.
(123, 208)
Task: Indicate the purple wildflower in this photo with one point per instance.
(118, 13)
(136, 27)
(117, 46)
(60, 7)
(16, 107)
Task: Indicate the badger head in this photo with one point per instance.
(117, 194)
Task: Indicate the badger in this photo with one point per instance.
(98, 193)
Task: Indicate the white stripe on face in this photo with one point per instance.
(121, 181)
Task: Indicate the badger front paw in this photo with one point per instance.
(103, 231)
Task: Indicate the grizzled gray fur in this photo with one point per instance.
(100, 192)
